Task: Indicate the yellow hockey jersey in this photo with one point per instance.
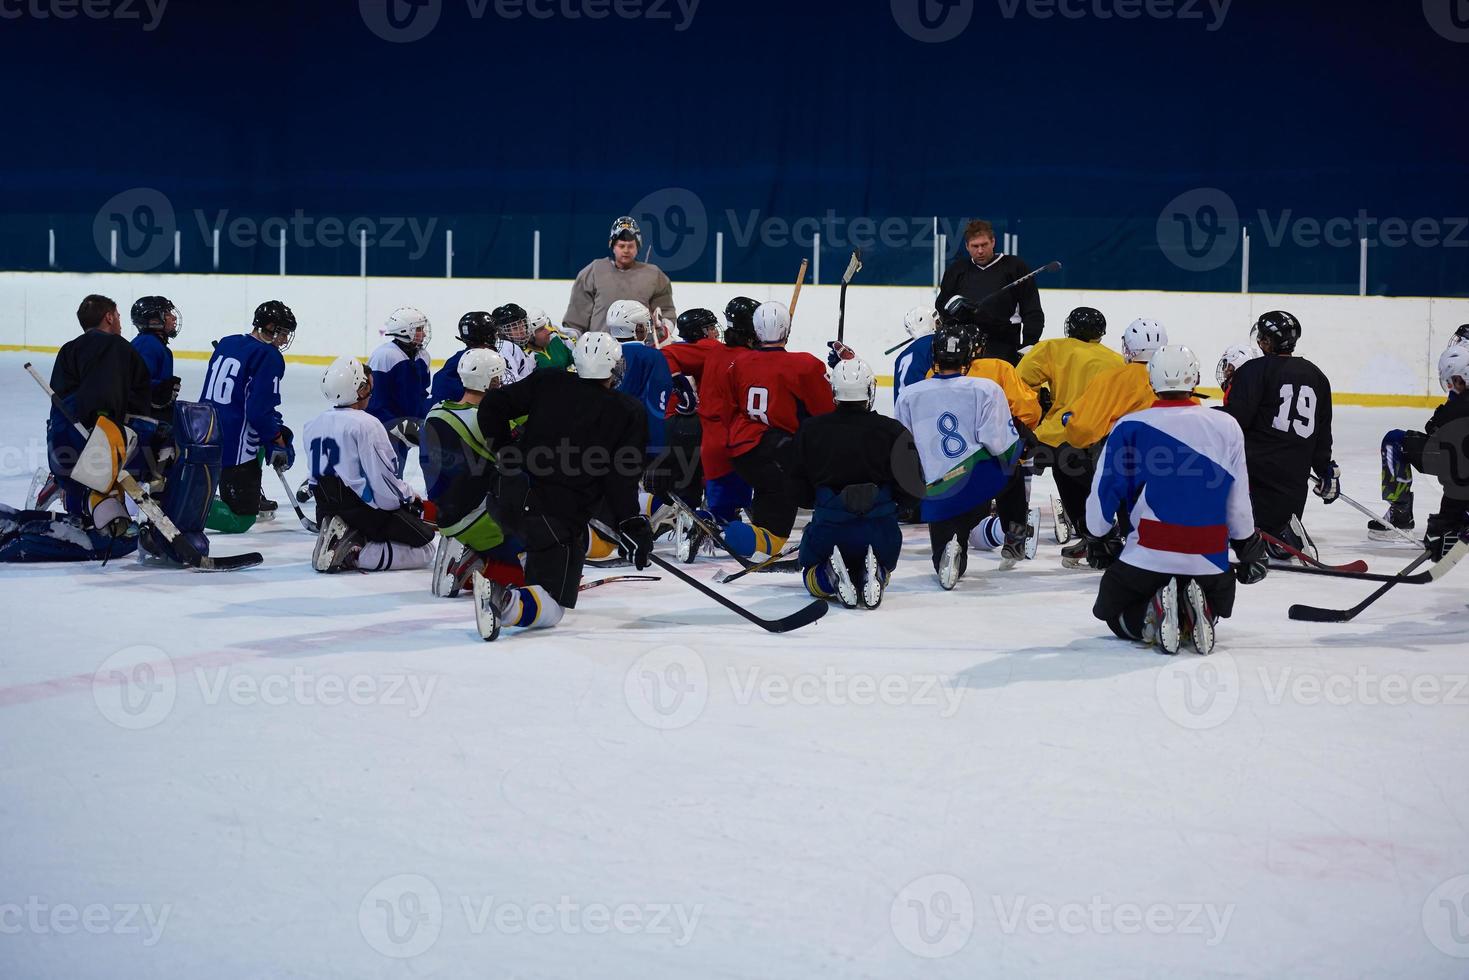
(1025, 404)
(1067, 366)
(1110, 396)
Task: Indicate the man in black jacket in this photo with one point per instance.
(579, 456)
(1012, 320)
(854, 467)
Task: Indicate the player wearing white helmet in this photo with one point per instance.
(1230, 361)
(852, 466)
(400, 378)
(551, 351)
(367, 513)
(579, 456)
(1178, 472)
(915, 360)
(620, 276)
(1443, 436)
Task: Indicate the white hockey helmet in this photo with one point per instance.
(1231, 359)
(408, 325)
(920, 321)
(343, 380)
(537, 319)
(1141, 338)
(1173, 370)
(772, 323)
(481, 369)
(596, 355)
(1453, 363)
(852, 380)
(625, 316)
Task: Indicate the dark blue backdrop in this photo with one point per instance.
(1074, 132)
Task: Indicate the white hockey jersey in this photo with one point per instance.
(354, 447)
(966, 439)
(518, 364)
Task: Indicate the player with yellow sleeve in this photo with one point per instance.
(1067, 365)
(1025, 404)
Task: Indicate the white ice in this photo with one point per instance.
(277, 773)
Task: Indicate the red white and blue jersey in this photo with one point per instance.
(1179, 471)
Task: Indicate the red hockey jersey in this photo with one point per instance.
(775, 388)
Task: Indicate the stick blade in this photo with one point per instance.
(1315, 614)
(230, 563)
(804, 616)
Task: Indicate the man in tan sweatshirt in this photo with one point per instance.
(619, 276)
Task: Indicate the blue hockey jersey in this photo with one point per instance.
(156, 355)
(243, 383)
(446, 386)
(646, 377)
(1179, 469)
(913, 364)
(399, 384)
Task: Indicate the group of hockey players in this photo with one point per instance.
(544, 449)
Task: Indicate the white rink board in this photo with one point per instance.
(958, 785)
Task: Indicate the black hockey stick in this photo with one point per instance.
(854, 266)
(710, 530)
(189, 554)
(1048, 267)
(594, 583)
(306, 522)
(1419, 578)
(1356, 567)
(1316, 614)
(804, 616)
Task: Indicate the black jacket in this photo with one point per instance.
(582, 448)
(102, 374)
(853, 445)
(966, 279)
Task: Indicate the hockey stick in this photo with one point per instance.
(796, 293)
(1420, 578)
(1396, 530)
(594, 583)
(804, 616)
(854, 266)
(189, 554)
(1356, 567)
(774, 563)
(306, 522)
(1051, 266)
(710, 530)
(1316, 614)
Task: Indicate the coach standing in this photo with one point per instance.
(620, 276)
(1014, 319)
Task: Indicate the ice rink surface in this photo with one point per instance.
(275, 773)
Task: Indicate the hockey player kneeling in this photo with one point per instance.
(1179, 470)
(851, 466)
(970, 449)
(579, 456)
(463, 482)
(364, 509)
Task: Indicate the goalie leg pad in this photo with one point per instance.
(192, 479)
(104, 456)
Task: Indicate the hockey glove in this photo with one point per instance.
(838, 352)
(1102, 552)
(282, 454)
(406, 430)
(1328, 487)
(1441, 536)
(637, 536)
(1254, 561)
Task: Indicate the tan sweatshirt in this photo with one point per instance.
(601, 284)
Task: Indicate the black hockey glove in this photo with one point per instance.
(1254, 561)
(1102, 552)
(637, 537)
(1441, 536)
(1328, 487)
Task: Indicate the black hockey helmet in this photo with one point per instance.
(694, 324)
(275, 318)
(953, 343)
(739, 318)
(1280, 328)
(1086, 323)
(151, 313)
(1462, 334)
(477, 329)
(512, 322)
